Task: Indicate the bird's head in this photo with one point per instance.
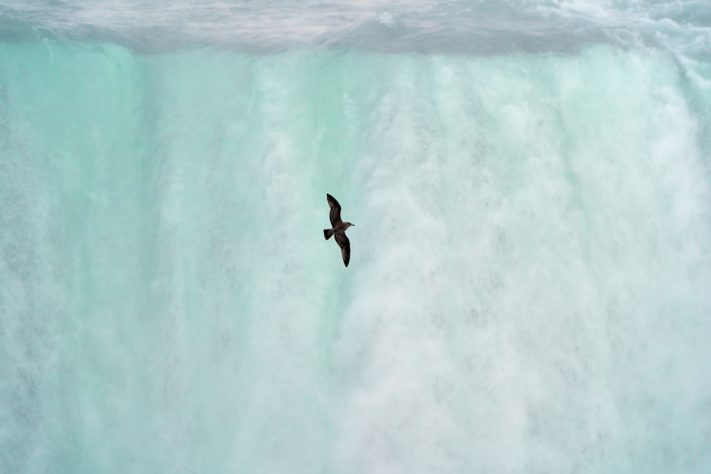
(348, 224)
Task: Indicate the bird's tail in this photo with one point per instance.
(327, 233)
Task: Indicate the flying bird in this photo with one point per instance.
(338, 229)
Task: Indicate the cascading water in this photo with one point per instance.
(529, 284)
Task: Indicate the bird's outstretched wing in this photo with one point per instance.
(345, 245)
(335, 214)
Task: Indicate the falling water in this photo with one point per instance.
(529, 283)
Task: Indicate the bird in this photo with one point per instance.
(338, 229)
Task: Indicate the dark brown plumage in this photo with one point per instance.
(338, 229)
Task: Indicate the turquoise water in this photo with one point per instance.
(529, 283)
